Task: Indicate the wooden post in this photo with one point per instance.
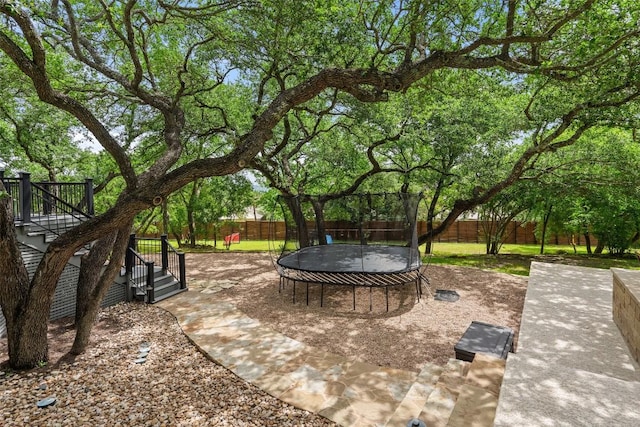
(164, 244)
(183, 271)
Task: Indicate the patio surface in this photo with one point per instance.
(348, 392)
(572, 366)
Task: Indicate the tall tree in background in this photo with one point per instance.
(174, 62)
(588, 191)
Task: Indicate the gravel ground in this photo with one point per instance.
(176, 386)
(408, 336)
(179, 386)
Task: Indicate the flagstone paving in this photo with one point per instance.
(348, 392)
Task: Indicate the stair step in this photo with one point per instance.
(417, 396)
(478, 400)
(168, 295)
(442, 400)
(486, 372)
(160, 277)
(159, 288)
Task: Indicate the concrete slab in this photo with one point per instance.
(572, 365)
(536, 395)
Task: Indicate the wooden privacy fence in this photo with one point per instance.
(467, 231)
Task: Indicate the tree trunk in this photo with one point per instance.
(599, 248)
(26, 330)
(26, 304)
(192, 227)
(165, 216)
(90, 269)
(87, 318)
(298, 217)
(318, 209)
(493, 250)
(587, 242)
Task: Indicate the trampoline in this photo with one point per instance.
(375, 247)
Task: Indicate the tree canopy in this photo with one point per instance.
(256, 79)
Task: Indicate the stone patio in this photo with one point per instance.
(348, 392)
(572, 366)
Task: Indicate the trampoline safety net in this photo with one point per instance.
(356, 240)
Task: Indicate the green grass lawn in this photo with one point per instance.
(516, 259)
(243, 246)
(513, 259)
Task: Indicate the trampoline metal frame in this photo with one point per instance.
(353, 279)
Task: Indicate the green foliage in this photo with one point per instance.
(591, 188)
(209, 203)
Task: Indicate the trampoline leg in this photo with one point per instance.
(370, 298)
(386, 291)
(354, 297)
(294, 291)
(321, 293)
(307, 293)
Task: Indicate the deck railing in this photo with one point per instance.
(151, 252)
(55, 206)
(140, 274)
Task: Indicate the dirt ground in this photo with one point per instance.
(408, 335)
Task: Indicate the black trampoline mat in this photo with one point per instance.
(340, 258)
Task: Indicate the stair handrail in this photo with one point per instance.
(12, 186)
(169, 257)
(136, 268)
(50, 206)
(159, 249)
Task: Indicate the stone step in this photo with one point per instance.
(478, 399)
(417, 396)
(442, 400)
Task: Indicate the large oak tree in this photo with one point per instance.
(174, 62)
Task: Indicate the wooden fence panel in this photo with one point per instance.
(464, 231)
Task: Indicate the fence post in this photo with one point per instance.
(151, 297)
(164, 243)
(25, 196)
(88, 195)
(183, 271)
